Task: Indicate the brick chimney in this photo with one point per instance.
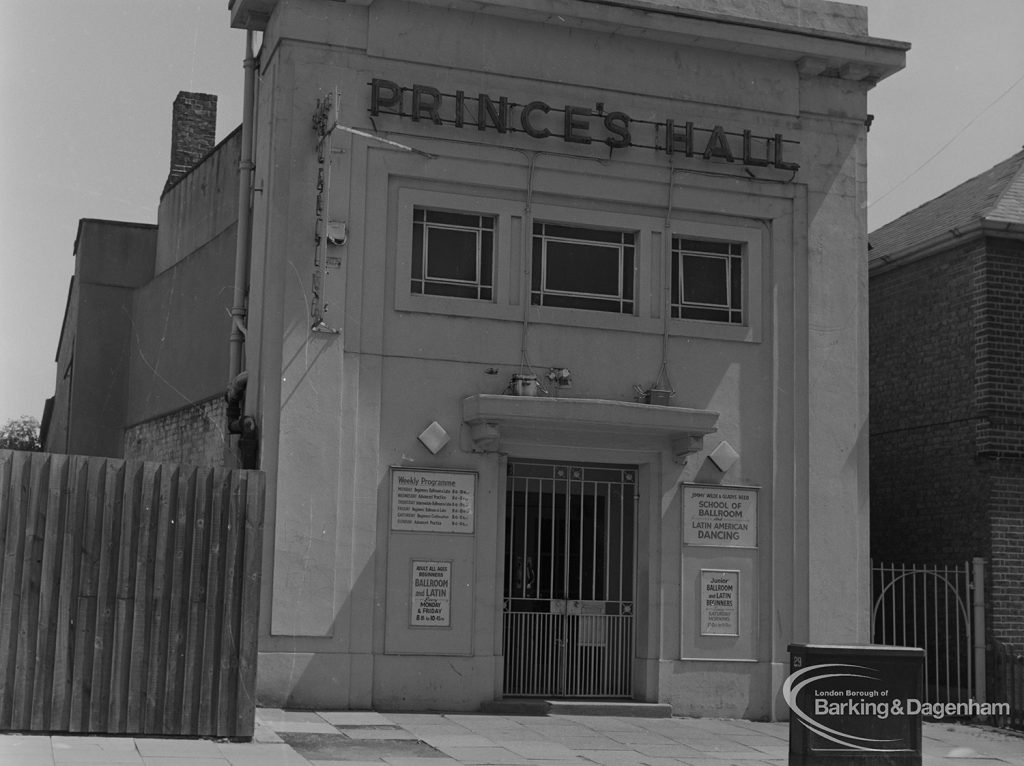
(193, 131)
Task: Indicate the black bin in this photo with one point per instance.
(855, 705)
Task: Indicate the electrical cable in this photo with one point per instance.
(945, 146)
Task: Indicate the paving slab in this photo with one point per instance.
(593, 742)
(364, 738)
(15, 744)
(264, 733)
(468, 739)
(639, 737)
(612, 723)
(548, 751)
(755, 740)
(704, 744)
(676, 750)
(503, 736)
(403, 719)
(178, 748)
(775, 751)
(725, 762)
(389, 733)
(252, 754)
(484, 755)
(305, 727)
(442, 730)
(83, 754)
(621, 758)
(356, 718)
(66, 742)
(26, 759)
(322, 747)
(277, 715)
(473, 720)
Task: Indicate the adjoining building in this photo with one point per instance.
(549, 331)
(140, 365)
(947, 387)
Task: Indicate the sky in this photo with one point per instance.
(86, 88)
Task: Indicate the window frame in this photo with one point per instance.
(420, 262)
(749, 237)
(732, 255)
(512, 267)
(505, 269)
(545, 232)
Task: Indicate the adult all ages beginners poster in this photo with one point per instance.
(721, 516)
(431, 604)
(432, 501)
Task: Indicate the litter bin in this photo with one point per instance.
(855, 705)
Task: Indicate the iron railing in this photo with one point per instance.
(940, 609)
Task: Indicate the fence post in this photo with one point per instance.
(978, 585)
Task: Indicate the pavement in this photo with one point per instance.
(298, 738)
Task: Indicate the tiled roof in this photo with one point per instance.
(996, 196)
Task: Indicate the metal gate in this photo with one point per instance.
(940, 609)
(569, 553)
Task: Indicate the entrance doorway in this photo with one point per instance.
(569, 579)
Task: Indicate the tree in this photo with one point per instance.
(21, 433)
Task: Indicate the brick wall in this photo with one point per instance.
(1000, 436)
(194, 435)
(1000, 349)
(1006, 570)
(925, 488)
(947, 418)
(193, 132)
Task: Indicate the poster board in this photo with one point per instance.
(430, 605)
(428, 500)
(720, 516)
(719, 602)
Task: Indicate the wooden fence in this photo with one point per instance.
(129, 596)
(1007, 667)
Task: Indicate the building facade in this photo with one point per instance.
(947, 466)
(461, 208)
(550, 334)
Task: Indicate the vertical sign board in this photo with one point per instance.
(431, 602)
(720, 516)
(719, 602)
(719, 551)
(432, 501)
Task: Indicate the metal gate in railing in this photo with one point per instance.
(940, 609)
(569, 578)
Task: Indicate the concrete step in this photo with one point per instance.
(619, 708)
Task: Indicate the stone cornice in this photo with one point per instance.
(819, 52)
(494, 420)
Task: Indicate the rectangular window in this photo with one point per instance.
(452, 254)
(707, 280)
(583, 268)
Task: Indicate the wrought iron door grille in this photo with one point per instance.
(569, 553)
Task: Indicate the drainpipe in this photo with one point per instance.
(237, 378)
